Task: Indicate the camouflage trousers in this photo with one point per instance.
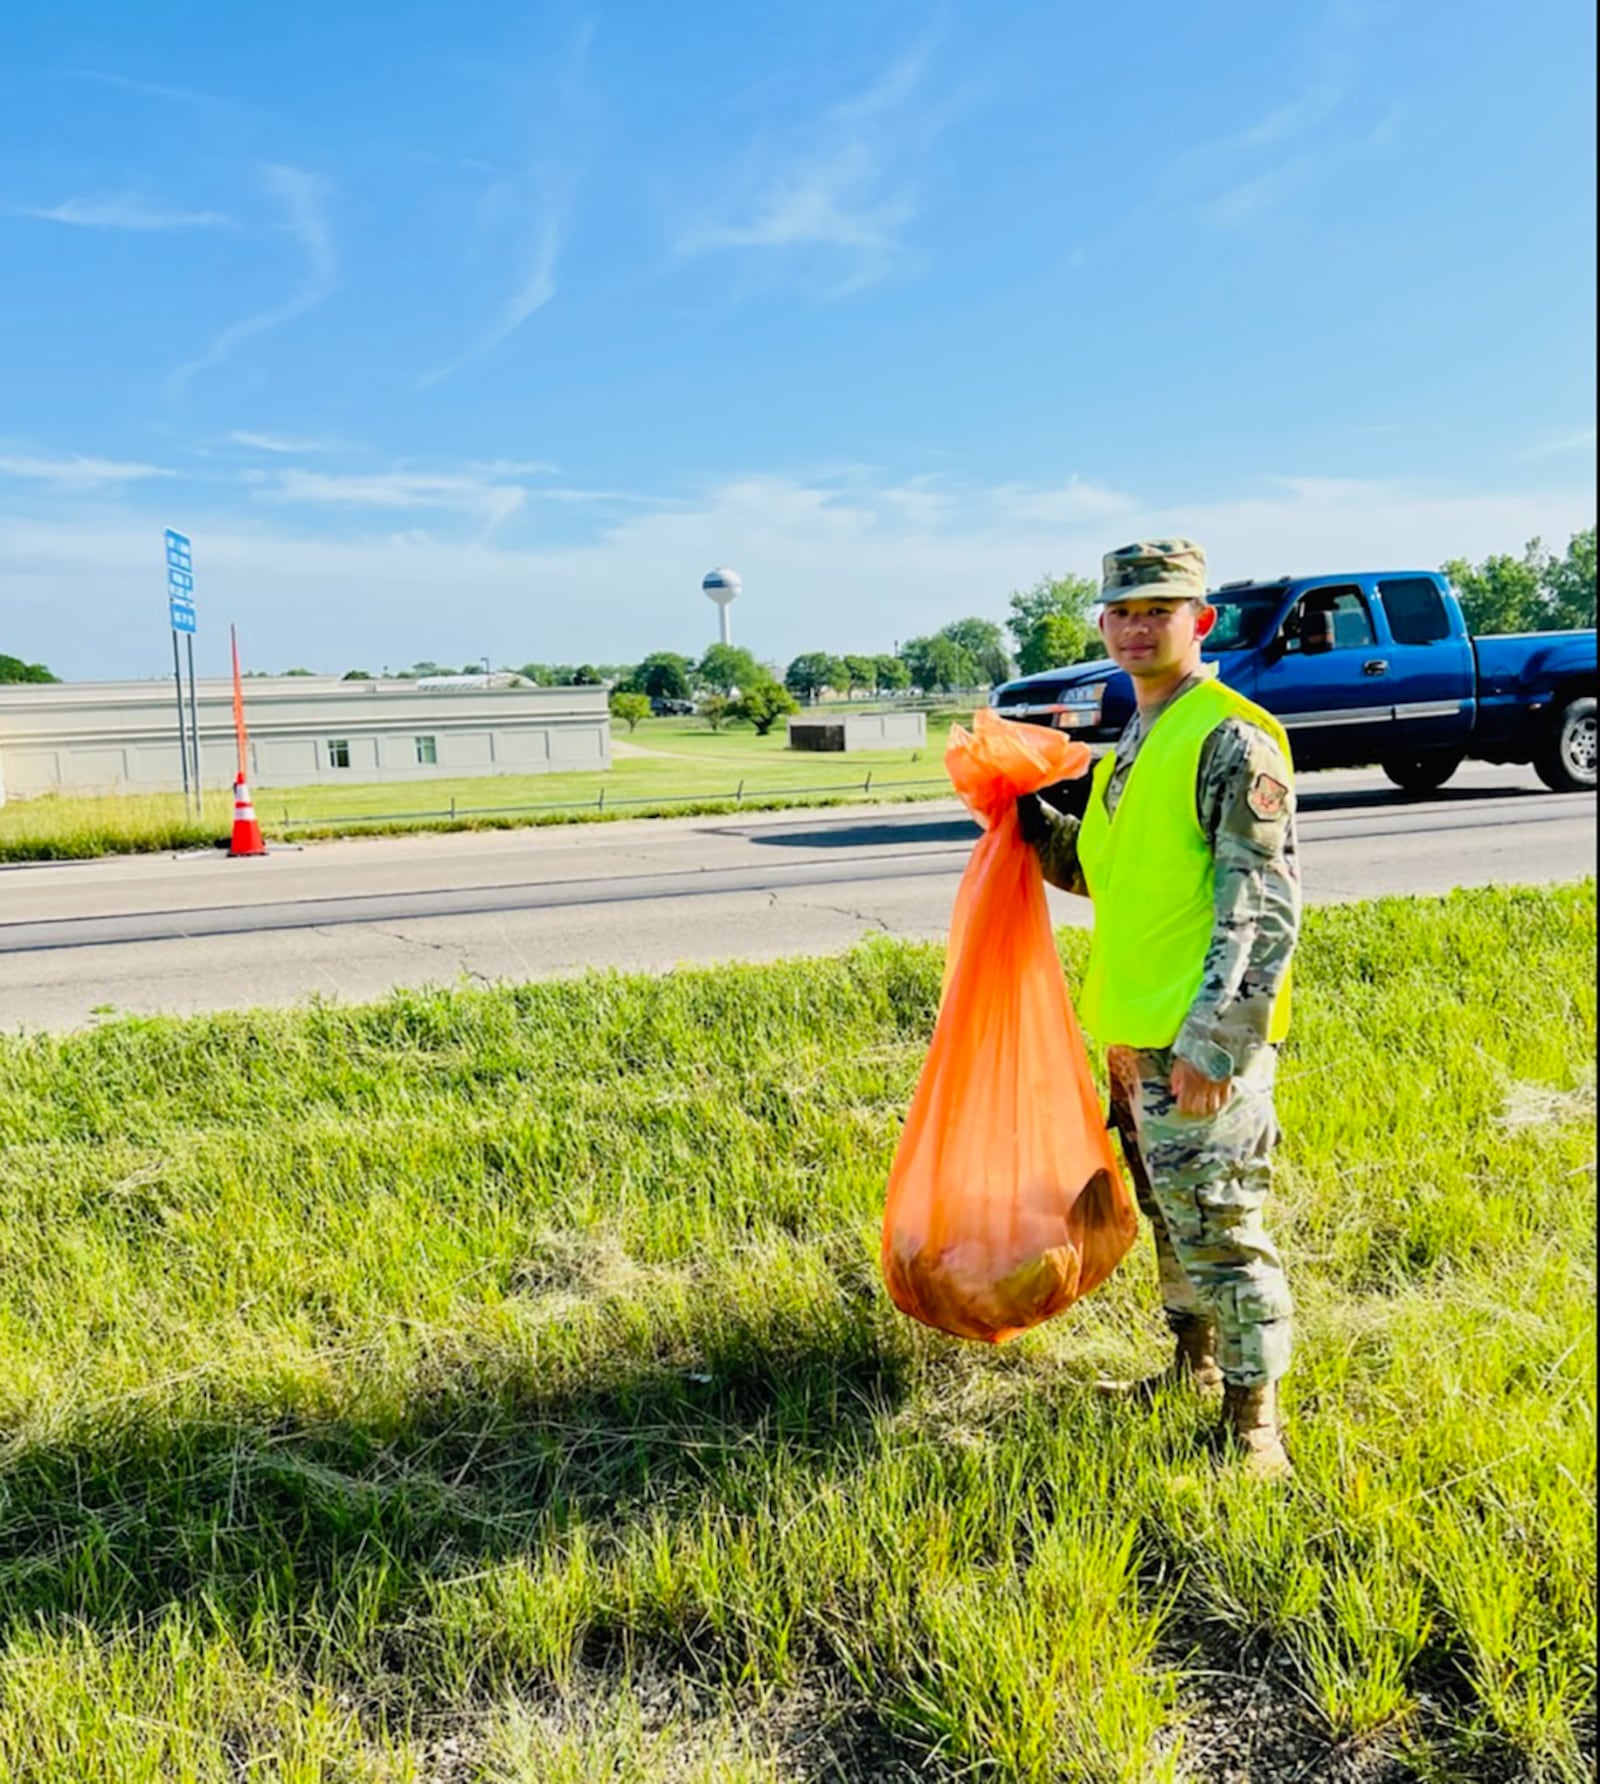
(1202, 1183)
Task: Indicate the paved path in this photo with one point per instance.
(354, 918)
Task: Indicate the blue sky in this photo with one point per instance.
(487, 329)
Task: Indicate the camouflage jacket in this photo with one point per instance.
(1250, 824)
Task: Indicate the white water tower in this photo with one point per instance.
(723, 586)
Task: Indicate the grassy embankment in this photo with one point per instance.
(699, 771)
(498, 1385)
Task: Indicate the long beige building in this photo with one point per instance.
(101, 737)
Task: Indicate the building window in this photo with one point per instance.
(427, 751)
(338, 752)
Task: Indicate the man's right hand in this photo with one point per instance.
(1052, 834)
(1031, 819)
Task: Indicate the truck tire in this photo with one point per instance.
(1566, 758)
(1425, 772)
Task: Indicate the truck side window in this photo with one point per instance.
(1352, 623)
(1416, 610)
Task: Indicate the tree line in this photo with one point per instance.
(1050, 625)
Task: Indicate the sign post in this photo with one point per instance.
(183, 745)
(181, 616)
(194, 732)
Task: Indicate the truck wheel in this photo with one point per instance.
(1423, 773)
(1566, 758)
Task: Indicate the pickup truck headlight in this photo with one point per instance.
(1079, 706)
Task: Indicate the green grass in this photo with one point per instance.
(698, 771)
(55, 827)
(498, 1384)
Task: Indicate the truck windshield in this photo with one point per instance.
(1243, 615)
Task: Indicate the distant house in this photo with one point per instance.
(101, 737)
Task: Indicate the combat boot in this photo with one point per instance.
(1194, 1364)
(1250, 1425)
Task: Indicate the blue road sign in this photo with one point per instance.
(180, 581)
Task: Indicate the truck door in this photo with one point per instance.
(1432, 677)
(1335, 702)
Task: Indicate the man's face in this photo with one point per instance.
(1156, 635)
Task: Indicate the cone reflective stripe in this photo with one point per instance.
(247, 837)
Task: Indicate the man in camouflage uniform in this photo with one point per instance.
(1196, 1117)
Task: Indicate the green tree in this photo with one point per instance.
(663, 675)
(13, 669)
(1053, 623)
(303, 672)
(763, 703)
(811, 672)
(630, 708)
(358, 675)
(725, 667)
(1503, 593)
(542, 675)
(1570, 583)
(584, 676)
(984, 643)
(861, 673)
(938, 664)
(890, 675)
(1061, 639)
(716, 709)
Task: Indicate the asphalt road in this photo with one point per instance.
(355, 918)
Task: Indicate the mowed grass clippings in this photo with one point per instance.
(498, 1384)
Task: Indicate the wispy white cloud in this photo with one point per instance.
(76, 472)
(830, 201)
(278, 443)
(533, 210)
(512, 467)
(147, 89)
(1237, 176)
(1061, 504)
(844, 187)
(121, 213)
(488, 492)
(1292, 119)
(893, 89)
(1247, 198)
(1582, 441)
(488, 502)
(300, 196)
(534, 291)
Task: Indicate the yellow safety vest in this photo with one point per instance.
(1152, 877)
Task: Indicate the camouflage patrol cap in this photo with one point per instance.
(1152, 567)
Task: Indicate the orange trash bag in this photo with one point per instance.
(1005, 1203)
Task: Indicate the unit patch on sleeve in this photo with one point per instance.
(1266, 797)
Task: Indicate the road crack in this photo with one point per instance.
(458, 949)
(839, 910)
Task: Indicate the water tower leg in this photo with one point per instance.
(727, 626)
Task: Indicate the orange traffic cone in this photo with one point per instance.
(247, 837)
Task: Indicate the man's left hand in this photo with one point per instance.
(1196, 1094)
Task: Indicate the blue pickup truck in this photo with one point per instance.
(1367, 668)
